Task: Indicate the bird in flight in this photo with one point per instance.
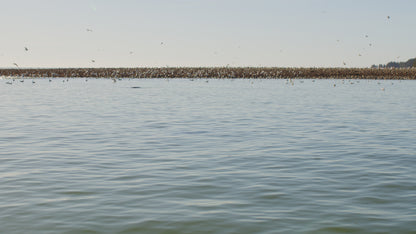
(26, 49)
(16, 65)
(92, 60)
(89, 30)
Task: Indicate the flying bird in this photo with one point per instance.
(89, 30)
(388, 17)
(16, 65)
(26, 49)
(92, 60)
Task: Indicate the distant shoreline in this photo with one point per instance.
(216, 72)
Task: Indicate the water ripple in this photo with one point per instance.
(226, 156)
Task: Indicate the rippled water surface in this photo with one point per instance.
(207, 156)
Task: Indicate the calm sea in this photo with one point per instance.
(207, 156)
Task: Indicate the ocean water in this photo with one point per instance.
(207, 156)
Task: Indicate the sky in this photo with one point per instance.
(183, 33)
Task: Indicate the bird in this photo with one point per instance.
(26, 49)
(370, 44)
(89, 30)
(344, 63)
(16, 65)
(131, 52)
(366, 36)
(92, 60)
(359, 54)
(388, 17)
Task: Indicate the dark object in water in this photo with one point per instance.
(135, 87)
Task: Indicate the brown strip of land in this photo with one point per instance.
(218, 72)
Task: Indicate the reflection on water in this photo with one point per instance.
(190, 156)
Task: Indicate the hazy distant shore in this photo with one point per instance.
(216, 72)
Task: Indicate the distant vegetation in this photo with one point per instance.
(409, 63)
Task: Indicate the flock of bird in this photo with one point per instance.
(289, 81)
(221, 72)
(369, 44)
(215, 72)
(89, 30)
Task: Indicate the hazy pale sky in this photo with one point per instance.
(143, 33)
